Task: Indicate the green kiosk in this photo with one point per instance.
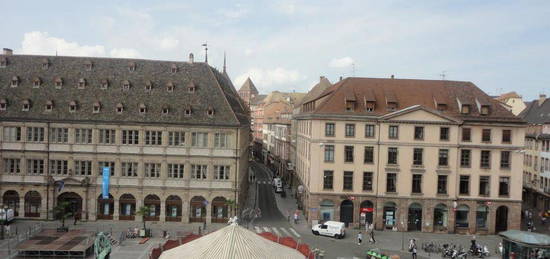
(524, 245)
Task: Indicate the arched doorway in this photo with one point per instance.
(461, 216)
(219, 210)
(127, 208)
(390, 210)
(441, 217)
(366, 212)
(75, 203)
(198, 209)
(326, 210)
(173, 208)
(33, 202)
(153, 202)
(501, 219)
(346, 212)
(105, 207)
(11, 199)
(414, 220)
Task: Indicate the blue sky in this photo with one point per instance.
(285, 45)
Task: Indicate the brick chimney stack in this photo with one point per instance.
(542, 98)
(191, 58)
(7, 52)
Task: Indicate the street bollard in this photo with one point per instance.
(199, 230)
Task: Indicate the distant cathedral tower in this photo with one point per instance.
(248, 91)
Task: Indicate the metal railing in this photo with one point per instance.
(14, 237)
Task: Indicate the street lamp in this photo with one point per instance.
(2, 215)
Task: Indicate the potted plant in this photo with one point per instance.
(61, 211)
(144, 211)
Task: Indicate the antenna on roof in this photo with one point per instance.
(205, 45)
(443, 75)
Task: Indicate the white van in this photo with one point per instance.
(277, 182)
(330, 228)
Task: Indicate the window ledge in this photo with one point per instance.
(464, 194)
(504, 196)
(391, 193)
(417, 166)
(484, 195)
(442, 195)
(417, 194)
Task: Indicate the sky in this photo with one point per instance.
(500, 45)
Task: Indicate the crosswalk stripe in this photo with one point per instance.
(294, 232)
(284, 231)
(266, 229)
(276, 231)
(258, 230)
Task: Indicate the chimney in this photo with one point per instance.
(7, 52)
(191, 58)
(392, 77)
(340, 78)
(542, 98)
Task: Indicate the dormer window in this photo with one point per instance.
(88, 65)
(350, 105)
(142, 109)
(370, 106)
(148, 86)
(72, 106)
(49, 106)
(58, 82)
(188, 111)
(392, 106)
(170, 86)
(126, 85)
(3, 104)
(165, 110)
(104, 84)
(465, 109)
(174, 68)
(191, 87)
(132, 66)
(210, 111)
(81, 83)
(119, 108)
(441, 107)
(45, 64)
(485, 109)
(14, 81)
(26, 105)
(36, 82)
(3, 62)
(97, 107)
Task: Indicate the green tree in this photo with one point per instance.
(232, 204)
(144, 211)
(61, 211)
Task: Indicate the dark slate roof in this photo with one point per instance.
(535, 113)
(213, 90)
(258, 99)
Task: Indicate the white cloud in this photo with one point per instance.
(235, 13)
(248, 52)
(341, 62)
(168, 43)
(125, 53)
(287, 8)
(41, 43)
(270, 77)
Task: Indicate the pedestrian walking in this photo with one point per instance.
(372, 240)
(295, 217)
(359, 238)
(412, 248)
(367, 227)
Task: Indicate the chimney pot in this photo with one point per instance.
(542, 98)
(7, 52)
(392, 76)
(191, 58)
(340, 78)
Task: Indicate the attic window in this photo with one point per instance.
(465, 109)
(142, 109)
(132, 66)
(370, 106)
(26, 105)
(170, 87)
(485, 109)
(210, 111)
(188, 111)
(148, 86)
(81, 83)
(191, 87)
(3, 62)
(72, 106)
(3, 104)
(88, 65)
(36, 82)
(174, 68)
(392, 106)
(58, 82)
(350, 106)
(14, 81)
(49, 106)
(104, 84)
(97, 107)
(45, 64)
(119, 108)
(126, 85)
(441, 107)
(165, 110)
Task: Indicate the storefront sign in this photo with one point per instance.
(106, 178)
(366, 210)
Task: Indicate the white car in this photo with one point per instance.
(330, 228)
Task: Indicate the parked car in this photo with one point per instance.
(334, 229)
(6, 215)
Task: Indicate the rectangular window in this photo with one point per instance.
(221, 172)
(417, 183)
(466, 134)
(369, 131)
(504, 186)
(369, 155)
(444, 133)
(102, 164)
(506, 136)
(441, 184)
(130, 137)
(350, 130)
(12, 166)
(59, 135)
(391, 182)
(152, 170)
(329, 129)
(83, 136)
(329, 153)
(348, 154)
(199, 139)
(198, 172)
(505, 159)
(392, 156)
(35, 166)
(465, 155)
(417, 156)
(464, 187)
(486, 135)
(367, 181)
(35, 134)
(153, 137)
(176, 138)
(443, 157)
(175, 170)
(12, 134)
(107, 136)
(58, 167)
(484, 184)
(220, 140)
(485, 159)
(419, 133)
(348, 180)
(327, 180)
(393, 132)
(83, 167)
(129, 169)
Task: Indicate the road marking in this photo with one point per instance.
(276, 231)
(294, 232)
(286, 232)
(258, 230)
(266, 229)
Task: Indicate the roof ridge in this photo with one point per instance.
(224, 95)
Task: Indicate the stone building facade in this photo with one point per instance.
(175, 136)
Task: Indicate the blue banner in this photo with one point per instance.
(106, 178)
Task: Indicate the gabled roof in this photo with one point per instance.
(248, 86)
(418, 108)
(317, 89)
(506, 96)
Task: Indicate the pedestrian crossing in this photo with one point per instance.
(279, 231)
(265, 182)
